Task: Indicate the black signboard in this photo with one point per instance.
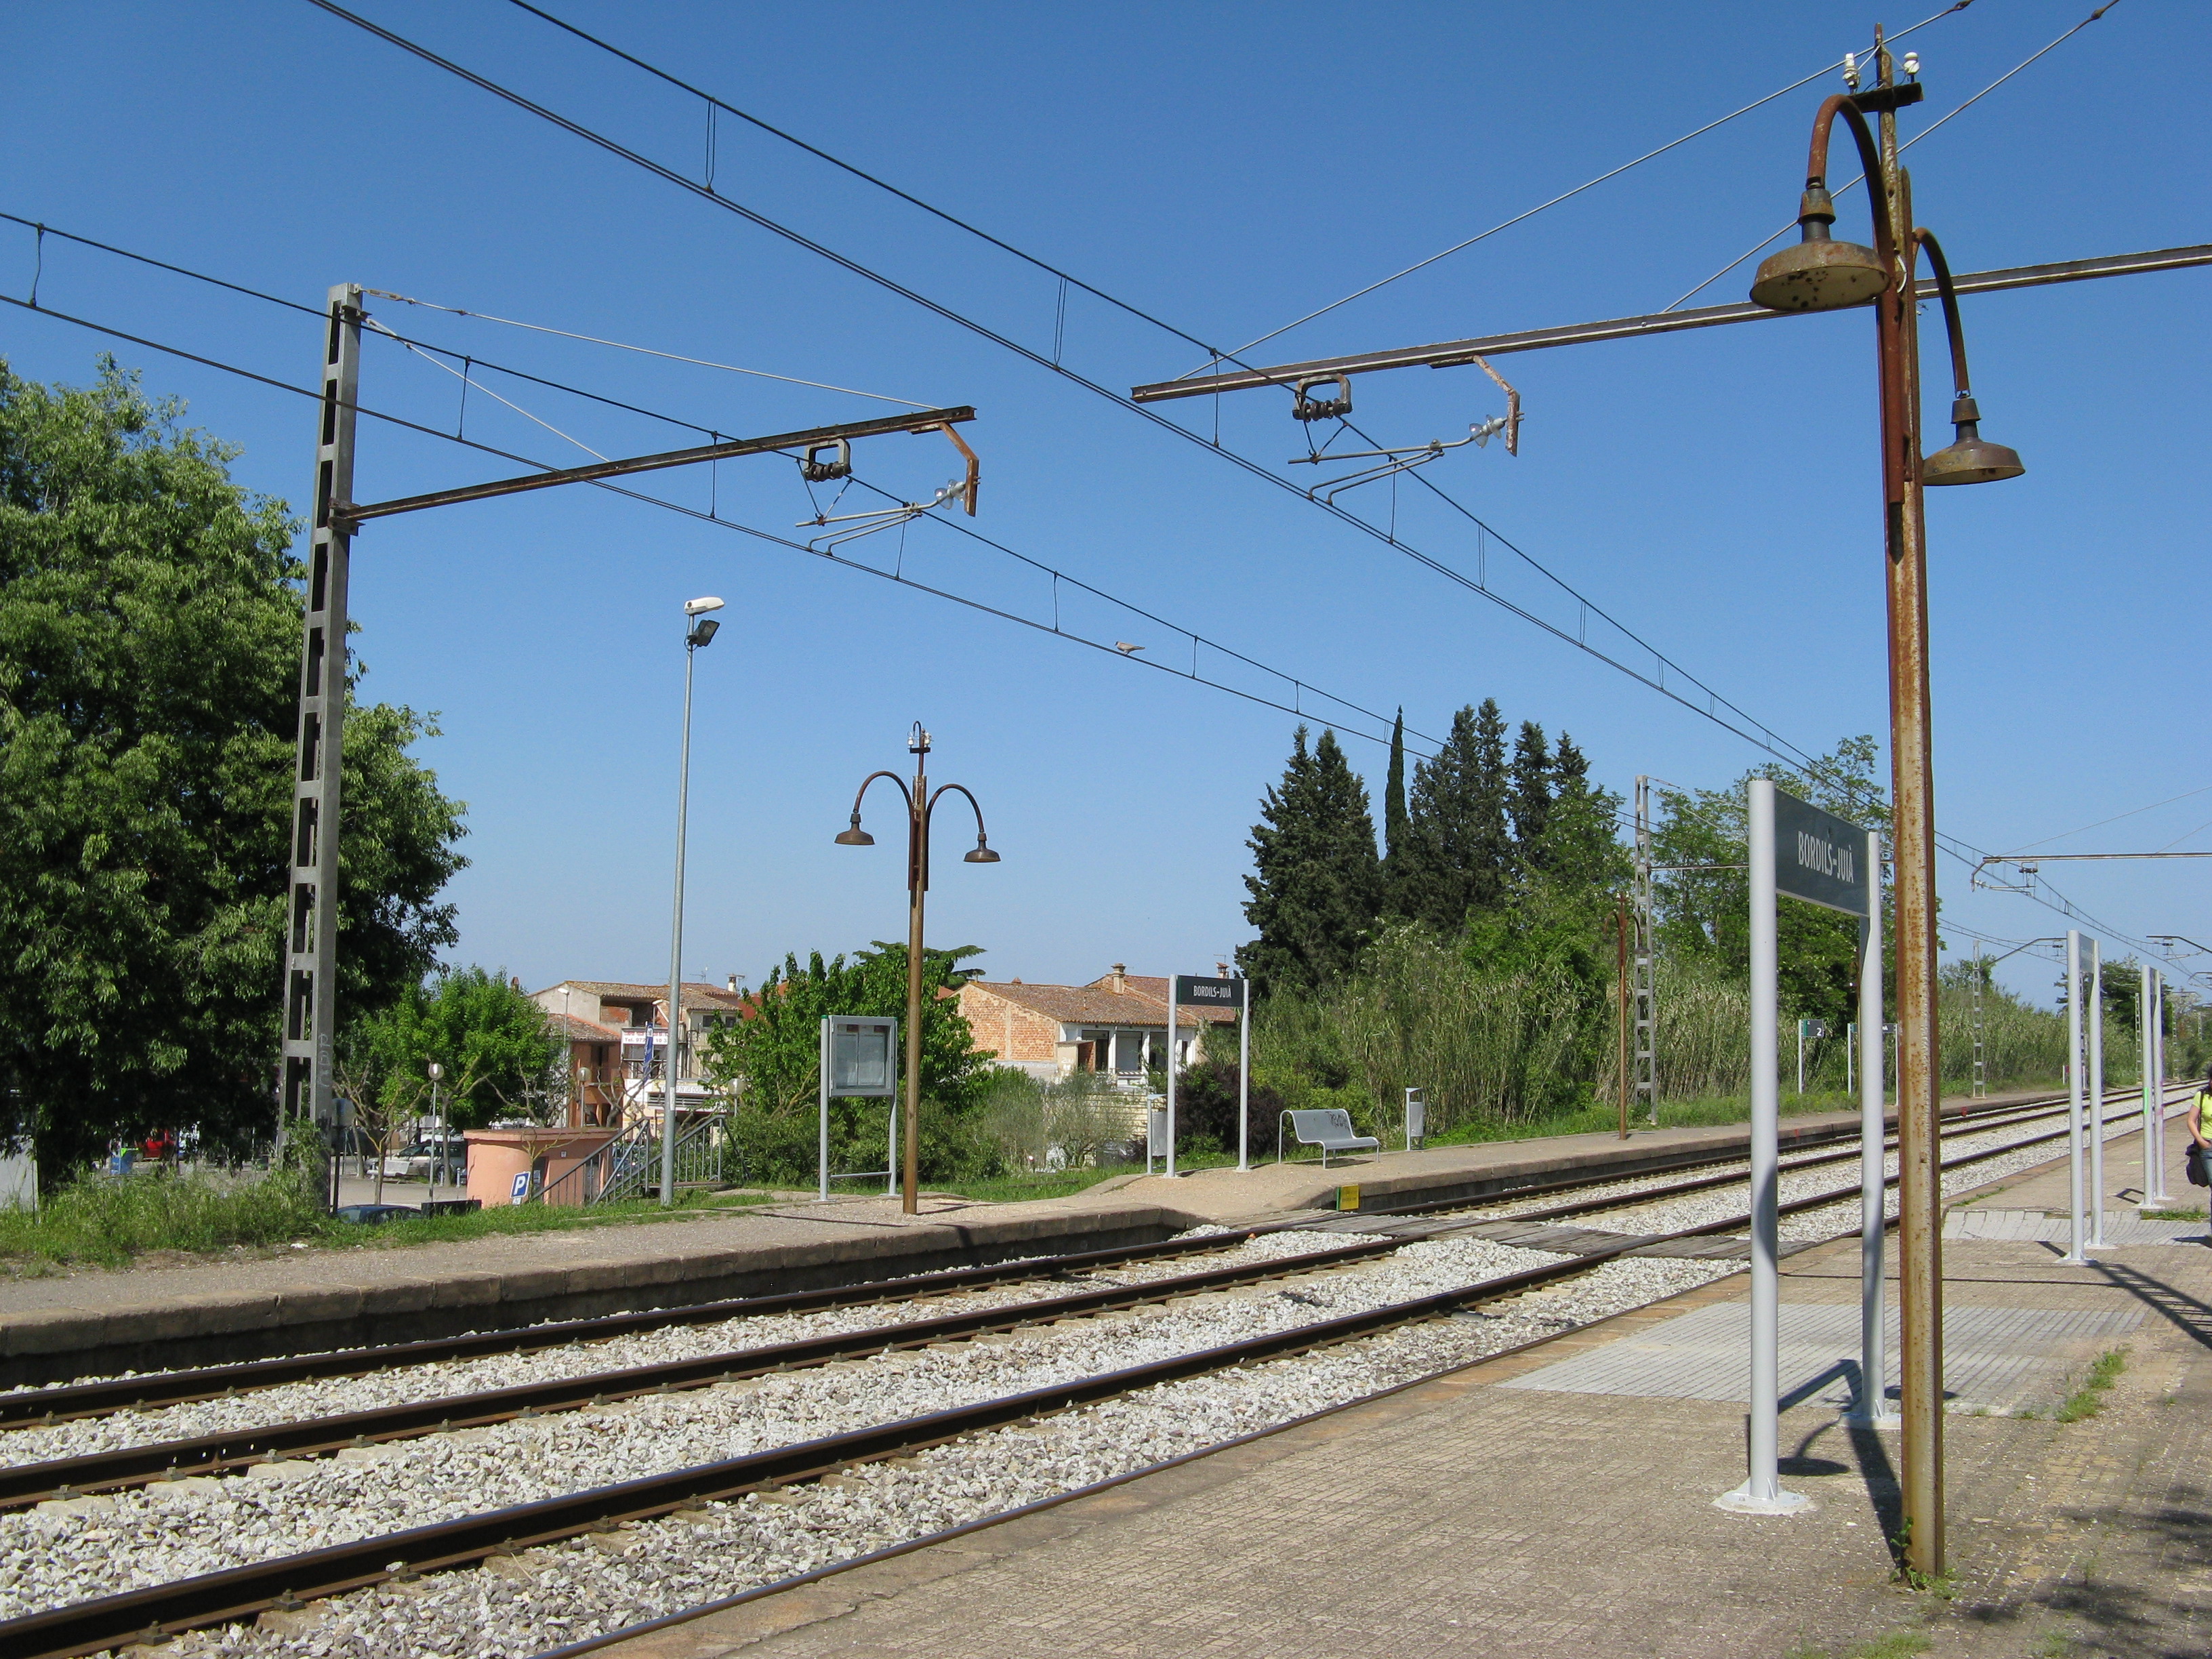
(1208, 992)
(1818, 857)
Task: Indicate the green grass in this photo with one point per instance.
(109, 1221)
(2167, 1215)
(1065, 1183)
(2089, 1399)
(1897, 1645)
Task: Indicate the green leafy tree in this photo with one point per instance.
(1704, 910)
(1579, 846)
(1317, 887)
(770, 1059)
(500, 1056)
(1460, 849)
(150, 629)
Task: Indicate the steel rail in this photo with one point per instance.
(214, 1598)
(1981, 1125)
(70, 1402)
(36, 1408)
(1994, 1116)
(154, 1613)
(23, 1483)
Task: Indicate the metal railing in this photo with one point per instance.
(629, 1166)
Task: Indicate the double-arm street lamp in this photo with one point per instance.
(921, 807)
(1821, 274)
(699, 631)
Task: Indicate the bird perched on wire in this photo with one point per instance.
(1126, 648)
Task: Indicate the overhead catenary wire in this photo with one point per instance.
(1964, 852)
(1708, 708)
(1296, 708)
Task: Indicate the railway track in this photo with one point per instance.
(31, 1481)
(45, 1407)
(397, 1557)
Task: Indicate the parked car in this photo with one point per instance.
(413, 1162)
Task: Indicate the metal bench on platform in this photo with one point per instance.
(1329, 1130)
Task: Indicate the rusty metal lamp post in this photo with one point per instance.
(1821, 274)
(921, 807)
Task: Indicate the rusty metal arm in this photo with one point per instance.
(981, 838)
(1454, 354)
(1948, 291)
(974, 466)
(931, 420)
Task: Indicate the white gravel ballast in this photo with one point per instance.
(77, 1549)
(544, 1598)
(407, 1385)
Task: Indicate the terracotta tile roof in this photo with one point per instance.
(1144, 1003)
(569, 1027)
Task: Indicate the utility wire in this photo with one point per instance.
(318, 313)
(1709, 708)
(1924, 132)
(1295, 709)
(645, 351)
(2136, 811)
(1566, 195)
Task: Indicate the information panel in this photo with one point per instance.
(1818, 857)
(861, 1056)
(1191, 991)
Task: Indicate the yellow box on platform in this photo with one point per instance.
(1348, 1198)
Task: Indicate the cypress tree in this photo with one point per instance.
(1318, 885)
(1460, 852)
(1396, 827)
(1528, 795)
(1492, 847)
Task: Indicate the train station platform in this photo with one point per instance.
(254, 1304)
(1560, 1500)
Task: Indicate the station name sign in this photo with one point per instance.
(1820, 857)
(1208, 992)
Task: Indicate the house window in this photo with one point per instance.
(1128, 1053)
(1095, 1053)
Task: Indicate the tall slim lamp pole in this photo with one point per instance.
(699, 629)
(1821, 274)
(921, 806)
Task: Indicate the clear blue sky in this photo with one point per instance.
(1228, 168)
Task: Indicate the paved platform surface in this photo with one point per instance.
(1493, 1512)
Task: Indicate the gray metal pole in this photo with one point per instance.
(822, 1154)
(1171, 1071)
(676, 941)
(1761, 1492)
(1243, 1073)
(1874, 1338)
(308, 1020)
(2146, 1017)
(2156, 1195)
(2073, 1256)
(2095, 1017)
